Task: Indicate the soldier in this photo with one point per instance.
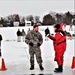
(23, 35)
(34, 40)
(0, 44)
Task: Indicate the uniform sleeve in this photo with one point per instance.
(27, 39)
(40, 39)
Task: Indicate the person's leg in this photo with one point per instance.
(19, 38)
(39, 58)
(59, 62)
(32, 61)
(23, 38)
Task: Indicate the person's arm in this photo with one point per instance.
(40, 40)
(51, 37)
(27, 39)
(54, 38)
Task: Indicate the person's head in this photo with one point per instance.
(47, 27)
(35, 28)
(56, 27)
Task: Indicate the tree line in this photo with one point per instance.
(48, 19)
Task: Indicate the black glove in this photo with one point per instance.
(38, 44)
(31, 44)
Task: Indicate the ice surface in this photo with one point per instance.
(16, 54)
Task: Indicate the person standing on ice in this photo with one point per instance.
(18, 35)
(59, 42)
(23, 35)
(0, 44)
(34, 40)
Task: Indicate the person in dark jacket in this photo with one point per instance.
(59, 43)
(0, 44)
(18, 35)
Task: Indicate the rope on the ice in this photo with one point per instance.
(18, 47)
(24, 49)
(21, 48)
(26, 53)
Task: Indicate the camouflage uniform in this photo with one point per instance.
(35, 38)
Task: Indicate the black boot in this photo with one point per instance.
(60, 69)
(41, 67)
(32, 67)
(57, 68)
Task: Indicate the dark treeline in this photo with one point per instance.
(48, 19)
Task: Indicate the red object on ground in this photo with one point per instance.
(73, 63)
(3, 67)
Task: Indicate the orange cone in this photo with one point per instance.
(73, 63)
(3, 67)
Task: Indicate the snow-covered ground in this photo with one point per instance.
(16, 55)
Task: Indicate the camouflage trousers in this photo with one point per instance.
(37, 52)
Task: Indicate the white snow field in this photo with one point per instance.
(16, 55)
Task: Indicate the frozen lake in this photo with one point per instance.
(16, 55)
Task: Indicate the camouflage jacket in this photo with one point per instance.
(34, 37)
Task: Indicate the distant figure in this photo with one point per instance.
(0, 43)
(18, 35)
(71, 29)
(28, 30)
(23, 35)
(46, 31)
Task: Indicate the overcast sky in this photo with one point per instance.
(35, 7)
